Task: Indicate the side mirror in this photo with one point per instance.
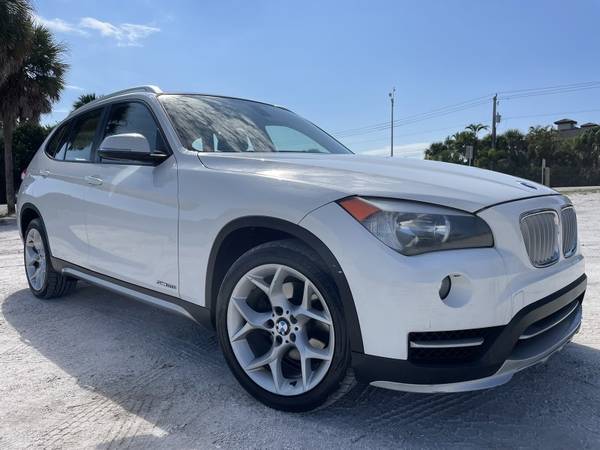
(129, 147)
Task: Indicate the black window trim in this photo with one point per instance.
(69, 123)
(109, 107)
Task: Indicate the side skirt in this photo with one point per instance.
(197, 313)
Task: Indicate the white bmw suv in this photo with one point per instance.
(317, 267)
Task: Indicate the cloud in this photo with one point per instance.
(58, 25)
(105, 28)
(133, 33)
(125, 34)
(74, 88)
(415, 150)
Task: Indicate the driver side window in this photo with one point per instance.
(134, 117)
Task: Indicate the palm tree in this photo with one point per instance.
(29, 93)
(475, 128)
(83, 99)
(15, 35)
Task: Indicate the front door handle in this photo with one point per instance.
(96, 181)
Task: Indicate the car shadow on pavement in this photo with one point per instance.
(126, 374)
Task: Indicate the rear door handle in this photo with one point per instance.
(44, 173)
(93, 180)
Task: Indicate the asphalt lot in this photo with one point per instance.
(98, 370)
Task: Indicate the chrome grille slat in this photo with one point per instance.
(449, 343)
(545, 325)
(569, 231)
(540, 234)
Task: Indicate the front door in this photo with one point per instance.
(133, 209)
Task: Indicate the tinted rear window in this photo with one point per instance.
(55, 147)
(81, 141)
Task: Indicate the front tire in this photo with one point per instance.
(44, 281)
(281, 327)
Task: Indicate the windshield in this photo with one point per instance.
(219, 124)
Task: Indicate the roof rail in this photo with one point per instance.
(148, 88)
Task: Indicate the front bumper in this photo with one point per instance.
(396, 295)
(535, 332)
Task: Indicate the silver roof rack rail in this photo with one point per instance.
(148, 88)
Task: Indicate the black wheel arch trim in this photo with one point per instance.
(309, 239)
(32, 207)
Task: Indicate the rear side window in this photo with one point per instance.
(56, 146)
(79, 146)
(134, 117)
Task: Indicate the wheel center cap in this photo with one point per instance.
(283, 327)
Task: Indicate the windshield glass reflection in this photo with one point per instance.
(220, 124)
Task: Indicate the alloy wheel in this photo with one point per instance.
(280, 329)
(35, 259)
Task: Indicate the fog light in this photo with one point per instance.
(445, 287)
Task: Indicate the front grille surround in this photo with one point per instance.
(569, 230)
(540, 235)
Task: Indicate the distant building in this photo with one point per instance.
(568, 128)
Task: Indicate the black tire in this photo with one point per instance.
(339, 378)
(55, 285)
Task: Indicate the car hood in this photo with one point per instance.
(452, 185)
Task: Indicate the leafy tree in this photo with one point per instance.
(30, 92)
(15, 35)
(84, 99)
(573, 161)
(541, 142)
(27, 138)
(475, 128)
(453, 149)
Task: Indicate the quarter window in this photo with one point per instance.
(58, 142)
(134, 117)
(79, 146)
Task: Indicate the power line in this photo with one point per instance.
(461, 105)
(526, 116)
(550, 92)
(416, 133)
(462, 125)
(454, 127)
(559, 86)
(413, 119)
(467, 104)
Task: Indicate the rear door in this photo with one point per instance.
(63, 200)
(133, 213)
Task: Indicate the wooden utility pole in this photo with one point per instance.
(494, 122)
(392, 95)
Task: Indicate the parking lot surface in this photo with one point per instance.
(98, 370)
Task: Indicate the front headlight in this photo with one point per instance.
(413, 228)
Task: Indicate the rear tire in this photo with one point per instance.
(281, 327)
(43, 280)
